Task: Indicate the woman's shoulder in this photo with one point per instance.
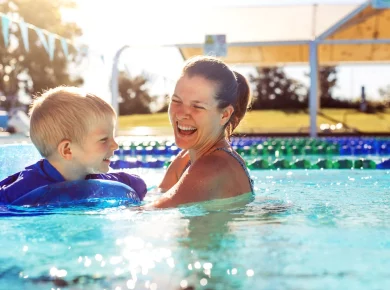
(216, 163)
(180, 161)
(175, 170)
(220, 165)
(222, 155)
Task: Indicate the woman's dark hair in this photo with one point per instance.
(233, 88)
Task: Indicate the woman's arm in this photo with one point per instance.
(175, 171)
(204, 180)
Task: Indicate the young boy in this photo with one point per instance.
(74, 132)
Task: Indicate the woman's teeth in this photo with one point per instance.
(186, 128)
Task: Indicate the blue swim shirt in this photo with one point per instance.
(43, 173)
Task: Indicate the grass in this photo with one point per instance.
(268, 121)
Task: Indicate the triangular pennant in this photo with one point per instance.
(64, 45)
(84, 50)
(42, 38)
(5, 27)
(52, 45)
(24, 32)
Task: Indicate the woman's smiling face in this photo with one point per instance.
(193, 112)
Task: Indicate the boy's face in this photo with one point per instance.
(94, 153)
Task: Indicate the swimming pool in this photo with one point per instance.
(304, 229)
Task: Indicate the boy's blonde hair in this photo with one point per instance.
(64, 113)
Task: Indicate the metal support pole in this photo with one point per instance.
(313, 97)
(114, 80)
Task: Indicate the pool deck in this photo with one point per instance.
(7, 138)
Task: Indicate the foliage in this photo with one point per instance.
(33, 71)
(164, 108)
(135, 98)
(274, 90)
(385, 94)
(327, 77)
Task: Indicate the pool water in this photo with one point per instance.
(303, 229)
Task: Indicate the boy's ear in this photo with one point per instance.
(226, 114)
(64, 149)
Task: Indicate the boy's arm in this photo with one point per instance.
(33, 176)
(132, 180)
(14, 186)
(5, 188)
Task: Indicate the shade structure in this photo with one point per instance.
(256, 35)
(362, 36)
(278, 35)
(345, 34)
(355, 34)
(269, 36)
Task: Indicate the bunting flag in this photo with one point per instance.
(64, 45)
(84, 50)
(48, 43)
(42, 38)
(52, 45)
(5, 28)
(24, 32)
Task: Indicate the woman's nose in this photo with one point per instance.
(183, 113)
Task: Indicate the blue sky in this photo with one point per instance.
(167, 62)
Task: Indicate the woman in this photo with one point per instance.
(208, 103)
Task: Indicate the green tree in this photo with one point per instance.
(165, 107)
(327, 82)
(274, 90)
(385, 94)
(135, 98)
(327, 76)
(33, 71)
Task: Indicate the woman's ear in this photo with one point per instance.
(64, 149)
(226, 114)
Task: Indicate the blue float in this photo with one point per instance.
(80, 192)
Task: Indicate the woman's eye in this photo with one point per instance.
(199, 107)
(103, 140)
(175, 101)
